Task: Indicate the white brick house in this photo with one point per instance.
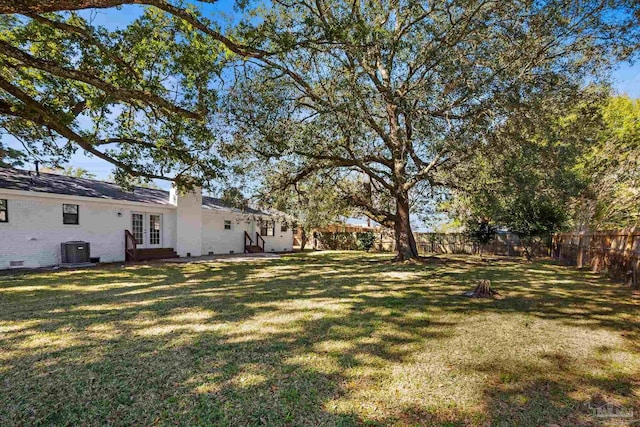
(39, 212)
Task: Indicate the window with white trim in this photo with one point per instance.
(227, 224)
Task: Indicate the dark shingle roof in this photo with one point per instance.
(16, 179)
(214, 203)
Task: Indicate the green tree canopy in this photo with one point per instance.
(10, 157)
(234, 197)
(578, 171)
(531, 175)
(311, 202)
(142, 97)
(612, 169)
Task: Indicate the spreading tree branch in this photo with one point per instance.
(41, 114)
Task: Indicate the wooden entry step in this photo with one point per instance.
(155, 253)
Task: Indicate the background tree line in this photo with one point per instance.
(574, 172)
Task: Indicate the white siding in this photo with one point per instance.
(282, 241)
(35, 229)
(188, 222)
(220, 241)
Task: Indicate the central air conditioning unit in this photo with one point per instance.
(75, 252)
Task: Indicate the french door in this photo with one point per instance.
(147, 229)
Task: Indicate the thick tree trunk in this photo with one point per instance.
(405, 242)
(303, 240)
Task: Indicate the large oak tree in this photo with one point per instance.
(405, 92)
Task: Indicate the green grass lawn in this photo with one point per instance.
(330, 338)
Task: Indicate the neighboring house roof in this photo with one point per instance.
(16, 179)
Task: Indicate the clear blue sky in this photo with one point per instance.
(626, 78)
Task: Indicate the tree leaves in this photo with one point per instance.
(612, 168)
(137, 97)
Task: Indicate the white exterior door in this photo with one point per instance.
(147, 229)
(137, 229)
(154, 223)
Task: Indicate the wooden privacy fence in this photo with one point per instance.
(435, 243)
(616, 252)
(505, 243)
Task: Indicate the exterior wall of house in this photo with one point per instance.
(188, 221)
(35, 230)
(282, 241)
(220, 241)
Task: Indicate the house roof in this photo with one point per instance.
(17, 179)
(214, 203)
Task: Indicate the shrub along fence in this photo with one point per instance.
(428, 243)
(616, 252)
(344, 240)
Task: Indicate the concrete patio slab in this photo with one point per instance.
(225, 258)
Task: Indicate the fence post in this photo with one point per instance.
(559, 243)
(579, 258)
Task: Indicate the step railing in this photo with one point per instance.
(130, 246)
(247, 242)
(258, 240)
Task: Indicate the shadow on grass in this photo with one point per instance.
(313, 339)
